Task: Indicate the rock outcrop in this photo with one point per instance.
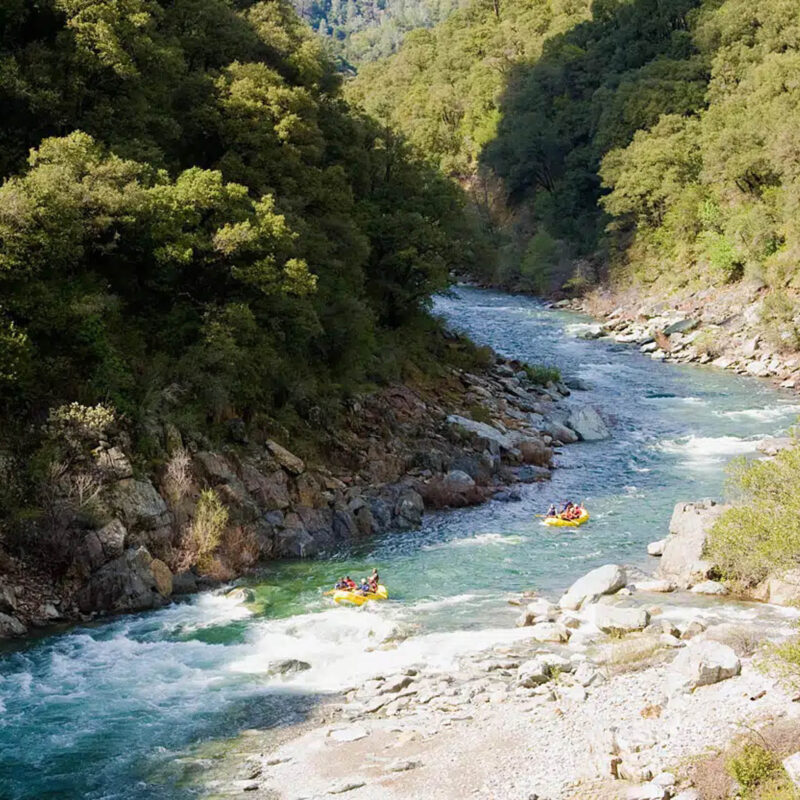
(683, 561)
(132, 582)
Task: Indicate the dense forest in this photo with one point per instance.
(365, 30)
(195, 227)
(657, 137)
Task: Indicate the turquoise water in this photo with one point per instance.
(122, 709)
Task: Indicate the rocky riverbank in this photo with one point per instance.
(402, 450)
(735, 327)
(607, 692)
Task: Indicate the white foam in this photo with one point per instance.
(481, 540)
(704, 451)
(762, 414)
(346, 646)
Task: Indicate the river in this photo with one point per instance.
(124, 709)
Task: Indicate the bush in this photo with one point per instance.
(207, 528)
(761, 534)
(779, 318)
(753, 766)
(542, 375)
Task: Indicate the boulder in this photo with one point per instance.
(559, 432)
(656, 548)
(655, 585)
(792, 766)
(484, 432)
(703, 663)
(127, 583)
(458, 481)
(162, 577)
(114, 463)
(184, 583)
(287, 666)
(682, 560)
(549, 632)
(532, 673)
(647, 791)
(536, 452)
(603, 580)
(680, 326)
(8, 598)
(694, 628)
(289, 461)
(11, 626)
(588, 424)
(709, 587)
(294, 541)
(408, 509)
(782, 589)
(619, 619)
(138, 505)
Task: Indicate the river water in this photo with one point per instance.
(124, 709)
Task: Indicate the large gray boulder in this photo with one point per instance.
(607, 579)
(289, 461)
(559, 432)
(682, 560)
(588, 424)
(494, 438)
(782, 589)
(703, 663)
(11, 626)
(619, 619)
(132, 582)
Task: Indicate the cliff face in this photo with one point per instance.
(209, 515)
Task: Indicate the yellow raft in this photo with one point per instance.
(567, 523)
(358, 599)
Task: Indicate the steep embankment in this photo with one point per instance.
(201, 246)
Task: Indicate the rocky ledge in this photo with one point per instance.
(400, 451)
(729, 327)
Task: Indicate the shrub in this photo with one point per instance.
(762, 533)
(206, 531)
(542, 375)
(178, 478)
(779, 318)
(753, 766)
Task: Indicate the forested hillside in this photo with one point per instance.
(364, 30)
(657, 136)
(194, 226)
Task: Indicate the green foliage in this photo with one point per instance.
(542, 375)
(208, 525)
(753, 766)
(365, 30)
(780, 318)
(660, 134)
(761, 533)
(195, 226)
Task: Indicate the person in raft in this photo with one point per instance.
(552, 512)
(374, 580)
